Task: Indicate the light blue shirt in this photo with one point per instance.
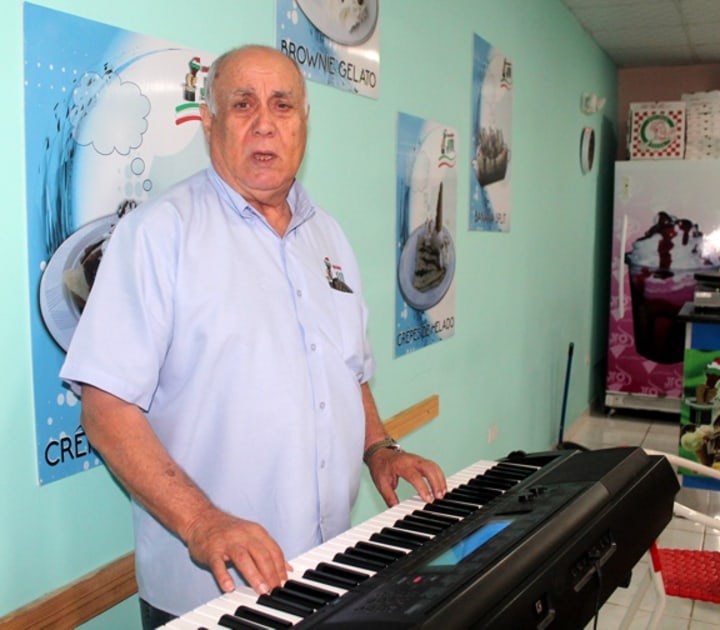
(246, 359)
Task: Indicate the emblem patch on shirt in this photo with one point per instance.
(335, 277)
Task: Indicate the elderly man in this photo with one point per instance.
(224, 361)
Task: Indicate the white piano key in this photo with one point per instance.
(240, 598)
(186, 622)
(203, 617)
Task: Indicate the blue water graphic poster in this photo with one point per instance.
(491, 138)
(426, 201)
(111, 119)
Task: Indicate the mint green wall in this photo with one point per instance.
(521, 297)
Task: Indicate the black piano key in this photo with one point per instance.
(486, 487)
(447, 508)
(462, 494)
(235, 623)
(380, 549)
(414, 526)
(399, 538)
(434, 516)
(286, 604)
(499, 480)
(312, 592)
(459, 504)
(481, 495)
(297, 597)
(519, 470)
(355, 561)
(348, 574)
(330, 580)
(261, 618)
(426, 518)
(384, 559)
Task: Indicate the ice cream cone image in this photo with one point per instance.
(696, 442)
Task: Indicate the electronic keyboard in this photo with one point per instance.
(531, 541)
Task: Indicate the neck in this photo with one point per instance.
(277, 216)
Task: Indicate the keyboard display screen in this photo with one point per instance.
(470, 543)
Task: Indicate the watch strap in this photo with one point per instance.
(388, 442)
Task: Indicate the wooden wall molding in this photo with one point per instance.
(93, 594)
(79, 601)
(413, 417)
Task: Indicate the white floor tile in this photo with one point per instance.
(707, 612)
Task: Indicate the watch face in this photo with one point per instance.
(587, 149)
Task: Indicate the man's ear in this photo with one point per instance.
(207, 119)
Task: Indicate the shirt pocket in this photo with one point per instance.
(349, 314)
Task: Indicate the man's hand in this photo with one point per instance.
(388, 466)
(216, 538)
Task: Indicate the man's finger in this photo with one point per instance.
(222, 575)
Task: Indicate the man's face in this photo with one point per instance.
(258, 132)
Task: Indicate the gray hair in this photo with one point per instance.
(218, 63)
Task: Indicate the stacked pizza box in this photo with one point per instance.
(656, 130)
(702, 140)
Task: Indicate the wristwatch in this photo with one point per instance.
(388, 442)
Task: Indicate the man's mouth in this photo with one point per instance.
(263, 157)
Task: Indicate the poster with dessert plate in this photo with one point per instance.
(335, 42)
(491, 139)
(425, 233)
(112, 118)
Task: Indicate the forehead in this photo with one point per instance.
(259, 71)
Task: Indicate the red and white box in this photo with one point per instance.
(656, 130)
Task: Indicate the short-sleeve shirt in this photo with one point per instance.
(247, 352)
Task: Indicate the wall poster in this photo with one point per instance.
(425, 233)
(111, 119)
(700, 415)
(335, 42)
(490, 179)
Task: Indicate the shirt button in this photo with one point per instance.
(298, 293)
(322, 405)
(322, 464)
(313, 347)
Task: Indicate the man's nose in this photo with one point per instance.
(264, 123)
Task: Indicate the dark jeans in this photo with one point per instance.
(153, 617)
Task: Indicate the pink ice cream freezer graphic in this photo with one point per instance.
(666, 228)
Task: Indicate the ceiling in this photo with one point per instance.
(637, 33)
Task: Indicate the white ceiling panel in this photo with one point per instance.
(637, 33)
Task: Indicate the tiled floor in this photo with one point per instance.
(659, 432)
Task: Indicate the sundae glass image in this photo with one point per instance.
(662, 266)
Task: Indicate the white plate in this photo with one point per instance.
(325, 18)
(58, 309)
(423, 300)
